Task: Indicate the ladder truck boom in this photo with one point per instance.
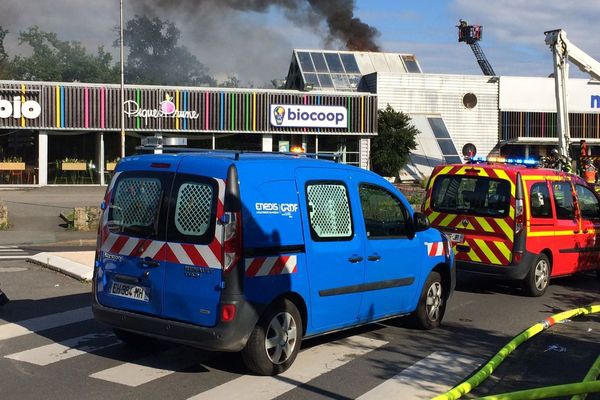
(471, 35)
(563, 51)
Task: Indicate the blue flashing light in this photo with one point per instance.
(530, 162)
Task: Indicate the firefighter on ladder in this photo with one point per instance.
(590, 173)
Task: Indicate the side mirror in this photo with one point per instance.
(420, 222)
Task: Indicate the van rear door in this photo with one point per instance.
(193, 273)
(476, 207)
(130, 273)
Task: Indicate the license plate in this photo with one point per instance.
(130, 291)
(456, 237)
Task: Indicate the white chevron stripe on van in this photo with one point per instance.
(152, 249)
(309, 365)
(433, 375)
(208, 256)
(180, 254)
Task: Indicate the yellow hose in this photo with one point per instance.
(485, 371)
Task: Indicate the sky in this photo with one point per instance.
(256, 46)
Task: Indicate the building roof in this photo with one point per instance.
(343, 70)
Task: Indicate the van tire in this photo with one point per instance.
(432, 303)
(538, 278)
(264, 360)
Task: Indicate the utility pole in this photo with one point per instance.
(122, 85)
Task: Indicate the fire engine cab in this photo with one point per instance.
(507, 218)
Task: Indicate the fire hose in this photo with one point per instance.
(587, 386)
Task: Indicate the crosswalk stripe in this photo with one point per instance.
(149, 368)
(12, 330)
(12, 257)
(12, 250)
(8, 247)
(309, 365)
(428, 377)
(55, 352)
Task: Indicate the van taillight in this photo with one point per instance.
(517, 257)
(232, 239)
(519, 217)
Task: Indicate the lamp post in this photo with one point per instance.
(122, 83)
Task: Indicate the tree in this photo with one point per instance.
(154, 57)
(4, 61)
(56, 60)
(391, 147)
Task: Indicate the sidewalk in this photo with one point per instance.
(34, 213)
(34, 217)
(77, 264)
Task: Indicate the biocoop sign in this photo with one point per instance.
(287, 115)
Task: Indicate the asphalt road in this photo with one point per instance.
(51, 348)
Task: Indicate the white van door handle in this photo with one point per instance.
(355, 259)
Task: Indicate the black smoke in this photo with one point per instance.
(338, 15)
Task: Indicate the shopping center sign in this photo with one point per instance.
(166, 109)
(29, 109)
(288, 115)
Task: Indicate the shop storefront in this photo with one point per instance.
(69, 133)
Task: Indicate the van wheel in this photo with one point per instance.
(275, 340)
(536, 281)
(432, 304)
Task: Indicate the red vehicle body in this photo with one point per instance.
(517, 222)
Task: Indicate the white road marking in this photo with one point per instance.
(433, 375)
(12, 257)
(55, 352)
(309, 365)
(149, 368)
(12, 330)
(11, 250)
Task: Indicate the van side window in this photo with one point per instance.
(385, 216)
(588, 203)
(563, 199)
(193, 208)
(329, 211)
(539, 199)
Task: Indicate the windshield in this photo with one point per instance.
(471, 195)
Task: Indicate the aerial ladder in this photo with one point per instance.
(563, 50)
(471, 35)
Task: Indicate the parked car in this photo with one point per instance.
(253, 252)
(511, 219)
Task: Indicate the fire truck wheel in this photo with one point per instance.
(432, 303)
(536, 281)
(275, 340)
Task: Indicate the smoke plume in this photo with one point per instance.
(338, 15)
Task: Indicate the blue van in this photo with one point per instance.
(253, 252)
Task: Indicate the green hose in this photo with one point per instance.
(485, 371)
(548, 392)
(592, 375)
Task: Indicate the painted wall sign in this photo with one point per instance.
(167, 108)
(287, 115)
(29, 109)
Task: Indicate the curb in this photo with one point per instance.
(71, 268)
